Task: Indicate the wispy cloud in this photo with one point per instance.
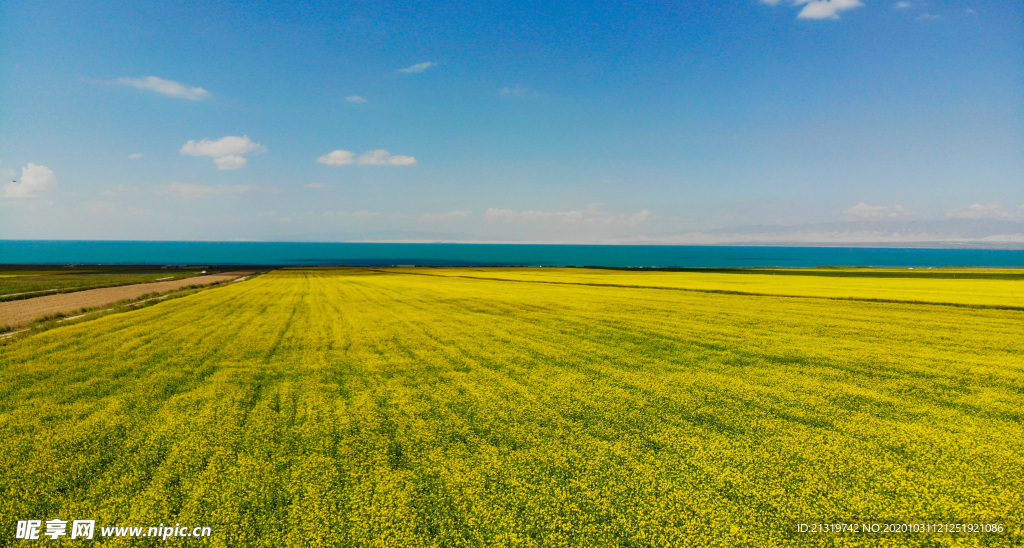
(592, 215)
(337, 158)
(230, 163)
(863, 211)
(273, 216)
(227, 152)
(819, 9)
(355, 99)
(382, 157)
(225, 146)
(135, 156)
(927, 17)
(902, 5)
(444, 217)
(379, 157)
(315, 185)
(169, 88)
(418, 67)
(115, 212)
(189, 191)
(118, 190)
(35, 180)
(979, 211)
(828, 237)
(825, 9)
(362, 215)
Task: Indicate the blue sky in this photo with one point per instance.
(611, 122)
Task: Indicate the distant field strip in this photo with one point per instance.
(21, 312)
(1000, 292)
(18, 283)
(24, 273)
(347, 407)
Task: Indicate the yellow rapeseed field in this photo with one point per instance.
(988, 287)
(469, 407)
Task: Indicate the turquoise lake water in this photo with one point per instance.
(296, 254)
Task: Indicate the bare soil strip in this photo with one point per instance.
(18, 313)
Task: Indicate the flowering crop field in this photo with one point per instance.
(995, 287)
(361, 407)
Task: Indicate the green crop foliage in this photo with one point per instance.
(23, 283)
(362, 407)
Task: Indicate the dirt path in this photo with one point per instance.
(17, 313)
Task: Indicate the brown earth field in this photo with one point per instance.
(18, 313)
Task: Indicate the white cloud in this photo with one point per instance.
(979, 211)
(337, 158)
(135, 156)
(225, 146)
(825, 9)
(379, 157)
(315, 185)
(902, 5)
(442, 217)
(819, 9)
(230, 163)
(190, 191)
(226, 152)
(355, 99)
(35, 180)
(495, 215)
(863, 211)
(267, 214)
(418, 67)
(591, 216)
(165, 87)
(926, 16)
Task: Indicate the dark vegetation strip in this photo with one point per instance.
(939, 273)
(724, 291)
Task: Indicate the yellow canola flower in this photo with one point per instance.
(366, 407)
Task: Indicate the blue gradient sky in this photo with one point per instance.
(686, 122)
